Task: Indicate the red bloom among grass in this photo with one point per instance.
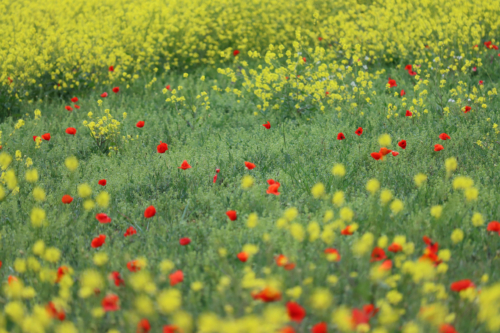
(467, 109)
(130, 231)
(394, 247)
(185, 165)
(116, 90)
(402, 93)
(494, 226)
(66, 199)
(392, 83)
(98, 241)
(320, 328)
(408, 113)
(384, 151)
(377, 156)
(359, 131)
(68, 108)
(176, 277)
(295, 311)
(133, 266)
(116, 278)
(444, 136)
(249, 166)
(267, 126)
(378, 254)
(150, 212)
(54, 312)
(110, 303)
(143, 326)
(102, 182)
(74, 99)
(162, 147)
(447, 328)
(184, 241)
(438, 147)
(103, 218)
(273, 189)
(242, 256)
(71, 130)
(235, 53)
(347, 231)
(332, 254)
(140, 124)
(46, 137)
(458, 286)
(232, 215)
(267, 295)
(104, 95)
(340, 136)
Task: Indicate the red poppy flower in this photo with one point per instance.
(104, 95)
(71, 130)
(402, 144)
(98, 241)
(69, 108)
(386, 265)
(320, 38)
(378, 254)
(377, 156)
(242, 256)
(320, 328)
(60, 273)
(438, 147)
(408, 113)
(76, 106)
(170, 329)
(249, 165)
(117, 279)
(111, 69)
(130, 231)
(116, 90)
(150, 212)
(347, 231)
(458, 286)
(281, 260)
(271, 182)
(184, 241)
(185, 165)
(110, 303)
(494, 226)
(133, 266)
(467, 109)
(333, 254)
(143, 326)
(140, 124)
(408, 67)
(217, 170)
(295, 311)
(395, 153)
(392, 83)
(46, 137)
(273, 189)
(232, 215)
(481, 82)
(447, 328)
(267, 295)
(412, 73)
(74, 99)
(102, 182)
(431, 246)
(304, 59)
(162, 147)
(54, 312)
(359, 131)
(384, 151)
(267, 126)
(287, 329)
(66, 199)
(402, 93)
(168, 87)
(34, 137)
(103, 218)
(235, 53)
(444, 136)
(176, 277)
(394, 247)
(340, 136)
(215, 179)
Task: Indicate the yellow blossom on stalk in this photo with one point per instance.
(397, 206)
(166, 266)
(102, 199)
(477, 219)
(144, 305)
(321, 299)
(39, 248)
(88, 204)
(52, 254)
(342, 319)
(197, 286)
(318, 190)
(384, 140)
(471, 194)
(183, 320)
(169, 301)
(37, 217)
(434, 314)
(29, 162)
(31, 176)
(297, 231)
(450, 164)
(457, 236)
(394, 297)
(39, 194)
(328, 216)
(66, 327)
(71, 163)
(100, 258)
(253, 220)
(462, 182)
(363, 245)
(15, 310)
(247, 181)
(5, 160)
(436, 211)
(90, 280)
(338, 198)
(19, 155)
(11, 179)
(250, 249)
(2, 193)
(314, 230)
(385, 196)
(290, 214)
(420, 179)
(346, 214)
(84, 190)
(338, 170)
(372, 186)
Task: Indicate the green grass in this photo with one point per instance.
(296, 152)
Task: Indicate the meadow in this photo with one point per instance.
(249, 166)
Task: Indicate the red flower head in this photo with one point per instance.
(273, 189)
(103, 218)
(359, 131)
(408, 67)
(176, 277)
(444, 136)
(143, 326)
(150, 212)
(46, 137)
(377, 156)
(117, 279)
(447, 328)
(54, 312)
(116, 90)
(34, 137)
(287, 329)
(408, 113)
(71, 130)
(340, 136)
(249, 165)
(392, 83)
(242, 256)
(110, 303)
(320, 328)
(60, 273)
(170, 329)
(133, 266)
(130, 231)
(458, 286)
(481, 82)
(167, 86)
(232, 215)
(236, 52)
(271, 182)
(69, 108)
(402, 93)
(295, 311)
(384, 151)
(77, 107)
(267, 126)
(185, 165)
(320, 38)
(215, 179)
(378, 254)
(140, 124)
(111, 69)
(66, 199)
(104, 95)
(217, 170)
(304, 59)
(394, 247)
(467, 109)
(74, 99)
(494, 226)
(98, 241)
(332, 254)
(395, 153)
(184, 241)
(402, 144)
(267, 295)
(102, 182)
(347, 231)
(438, 147)
(162, 147)
(412, 73)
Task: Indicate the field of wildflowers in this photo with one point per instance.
(249, 166)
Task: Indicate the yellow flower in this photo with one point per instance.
(144, 305)
(247, 181)
(318, 190)
(338, 198)
(372, 186)
(100, 258)
(477, 219)
(253, 220)
(297, 231)
(11, 179)
(84, 190)
(436, 211)
(196, 286)
(169, 301)
(39, 248)
(385, 196)
(346, 214)
(5, 160)
(31, 175)
(342, 318)
(396, 206)
(291, 213)
(52, 254)
(471, 194)
(338, 170)
(102, 199)
(394, 297)
(457, 236)
(363, 245)
(88, 204)
(37, 217)
(450, 164)
(66, 327)
(98, 312)
(420, 179)
(71, 163)
(20, 265)
(39, 194)
(384, 140)
(2, 193)
(29, 162)
(444, 254)
(321, 299)
(462, 182)
(15, 310)
(19, 155)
